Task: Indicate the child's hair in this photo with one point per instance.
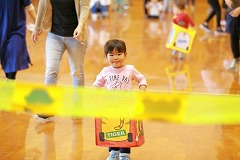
(112, 44)
(180, 4)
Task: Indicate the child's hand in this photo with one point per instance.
(143, 88)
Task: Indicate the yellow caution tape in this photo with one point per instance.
(187, 108)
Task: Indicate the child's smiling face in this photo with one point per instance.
(116, 59)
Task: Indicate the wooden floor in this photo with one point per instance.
(23, 138)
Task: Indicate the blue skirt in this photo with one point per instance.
(13, 48)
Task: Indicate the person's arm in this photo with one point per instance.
(78, 32)
(39, 19)
(229, 3)
(31, 10)
(191, 22)
(82, 20)
(140, 79)
(99, 81)
(143, 88)
(235, 12)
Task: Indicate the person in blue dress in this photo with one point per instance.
(13, 48)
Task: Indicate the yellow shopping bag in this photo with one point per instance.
(180, 38)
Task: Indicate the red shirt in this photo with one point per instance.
(183, 20)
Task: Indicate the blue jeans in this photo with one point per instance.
(97, 6)
(55, 47)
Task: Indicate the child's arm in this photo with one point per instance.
(94, 86)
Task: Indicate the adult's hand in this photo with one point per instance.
(35, 36)
(235, 12)
(229, 3)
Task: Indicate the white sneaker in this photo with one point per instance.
(205, 28)
(94, 17)
(219, 32)
(43, 119)
(180, 55)
(174, 53)
(124, 156)
(114, 155)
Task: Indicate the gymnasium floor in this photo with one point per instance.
(203, 70)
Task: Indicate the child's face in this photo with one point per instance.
(116, 59)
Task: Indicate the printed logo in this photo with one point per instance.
(113, 134)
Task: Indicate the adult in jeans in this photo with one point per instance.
(66, 23)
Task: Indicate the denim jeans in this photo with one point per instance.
(55, 47)
(97, 6)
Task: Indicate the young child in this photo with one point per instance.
(154, 8)
(182, 19)
(115, 51)
(99, 5)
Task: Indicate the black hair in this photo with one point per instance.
(112, 44)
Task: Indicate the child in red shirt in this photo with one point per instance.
(182, 19)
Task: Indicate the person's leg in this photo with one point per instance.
(217, 10)
(104, 11)
(113, 148)
(145, 9)
(54, 51)
(210, 16)
(124, 153)
(193, 2)
(11, 75)
(234, 41)
(76, 52)
(125, 150)
(114, 153)
(204, 26)
(165, 3)
(94, 11)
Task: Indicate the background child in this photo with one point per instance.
(115, 51)
(182, 19)
(101, 6)
(154, 8)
